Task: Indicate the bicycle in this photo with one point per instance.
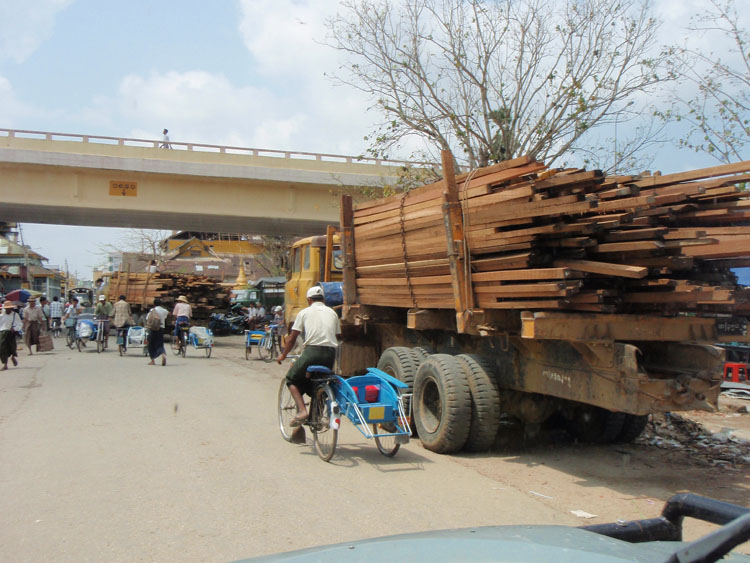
(70, 333)
(56, 327)
(101, 335)
(269, 346)
(375, 403)
(179, 341)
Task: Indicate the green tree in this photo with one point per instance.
(492, 80)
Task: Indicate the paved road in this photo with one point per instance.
(104, 458)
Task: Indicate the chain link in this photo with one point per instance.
(403, 247)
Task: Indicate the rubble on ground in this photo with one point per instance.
(671, 431)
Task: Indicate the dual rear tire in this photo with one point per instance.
(455, 399)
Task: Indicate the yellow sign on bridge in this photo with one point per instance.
(123, 188)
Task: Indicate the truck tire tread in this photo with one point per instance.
(445, 431)
(485, 402)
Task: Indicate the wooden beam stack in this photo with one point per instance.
(575, 240)
(140, 290)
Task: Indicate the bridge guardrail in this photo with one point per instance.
(177, 145)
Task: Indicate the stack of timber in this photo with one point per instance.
(140, 290)
(543, 239)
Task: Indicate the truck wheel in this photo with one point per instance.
(402, 363)
(422, 353)
(485, 402)
(597, 425)
(442, 404)
(632, 427)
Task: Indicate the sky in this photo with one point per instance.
(231, 72)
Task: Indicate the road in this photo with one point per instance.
(104, 458)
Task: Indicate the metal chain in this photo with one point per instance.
(403, 247)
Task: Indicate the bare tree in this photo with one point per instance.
(275, 256)
(719, 111)
(146, 244)
(496, 79)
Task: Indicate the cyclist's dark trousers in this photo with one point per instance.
(311, 356)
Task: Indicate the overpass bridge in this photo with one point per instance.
(68, 179)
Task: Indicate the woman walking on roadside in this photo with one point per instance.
(155, 325)
(10, 325)
(32, 324)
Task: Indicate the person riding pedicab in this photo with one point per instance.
(321, 328)
(123, 320)
(181, 313)
(104, 312)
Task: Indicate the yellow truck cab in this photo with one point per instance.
(313, 260)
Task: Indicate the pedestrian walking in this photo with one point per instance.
(155, 323)
(33, 318)
(165, 144)
(10, 326)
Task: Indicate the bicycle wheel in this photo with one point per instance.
(99, 346)
(386, 444)
(320, 422)
(174, 343)
(287, 411)
(183, 344)
(70, 338)
(275, 351)
(208, 351)
(248, 349)
(263, 351)
(78, 344)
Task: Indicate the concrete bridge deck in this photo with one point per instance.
(71, 179)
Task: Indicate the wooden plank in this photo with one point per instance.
(538, 304)
(722, 170)
(458, 254)
(618, 270)
(634, 246)
(590, 328)
(525, 274)
(635, 234)
(424, 280)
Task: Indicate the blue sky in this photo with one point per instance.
(233, 72)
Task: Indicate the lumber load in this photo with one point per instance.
(562, 240)
(140, 289)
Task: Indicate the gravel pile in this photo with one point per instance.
(671, 431)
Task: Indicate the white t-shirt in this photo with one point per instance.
(319, 325)
(162, 312)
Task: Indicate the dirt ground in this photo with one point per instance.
(632, 481)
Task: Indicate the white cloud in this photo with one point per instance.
(13, 111)
(25, 24)
(203, 107)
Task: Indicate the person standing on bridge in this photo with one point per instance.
(10, 325)
(322, 330)
(165, 140)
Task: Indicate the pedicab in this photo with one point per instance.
(375, 403)
(134, 337)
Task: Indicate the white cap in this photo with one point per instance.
(277, 309)
(315, 291)
(102, 298)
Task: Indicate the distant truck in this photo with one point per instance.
(269, 291)
(598, 375)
